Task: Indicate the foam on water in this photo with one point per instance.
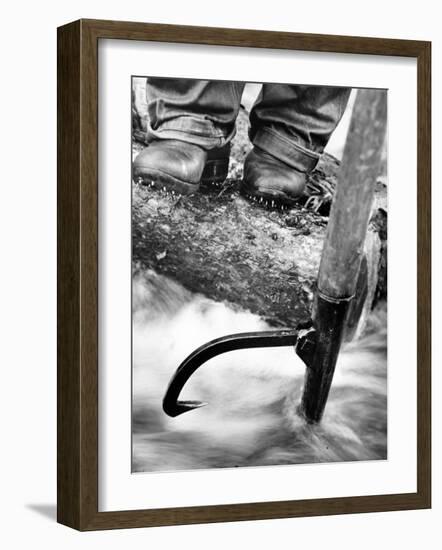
(251, 418)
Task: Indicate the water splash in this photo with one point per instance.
(251, 419)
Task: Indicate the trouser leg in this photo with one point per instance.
(294, 123)
(200, 112)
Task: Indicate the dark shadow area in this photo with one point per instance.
(48, 511)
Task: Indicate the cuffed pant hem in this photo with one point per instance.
(289, 152)
(201, 133)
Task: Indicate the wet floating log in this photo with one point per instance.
(220, 245)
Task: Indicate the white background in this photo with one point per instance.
(28, 314)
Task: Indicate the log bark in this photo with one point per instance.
(220, 245)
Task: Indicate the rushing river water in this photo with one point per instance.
(251, 418)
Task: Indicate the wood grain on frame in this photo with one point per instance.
(77, 226)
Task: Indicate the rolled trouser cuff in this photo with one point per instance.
(199, 132)
(288, 151)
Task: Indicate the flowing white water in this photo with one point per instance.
(251, 418)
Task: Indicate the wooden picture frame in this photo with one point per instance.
(78, 274)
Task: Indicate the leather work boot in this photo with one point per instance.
(179, 167)
(217, 166)
(270, 181)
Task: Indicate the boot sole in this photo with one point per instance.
(165, 182)
(274, 199)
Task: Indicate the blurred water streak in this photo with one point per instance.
(252, 394)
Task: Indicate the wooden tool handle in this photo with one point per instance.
(350, 212)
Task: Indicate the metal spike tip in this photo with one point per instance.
(185, 406)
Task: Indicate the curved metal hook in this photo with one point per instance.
(265, 339)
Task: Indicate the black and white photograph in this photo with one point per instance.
(259, 274)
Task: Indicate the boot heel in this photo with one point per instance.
(217, 166)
